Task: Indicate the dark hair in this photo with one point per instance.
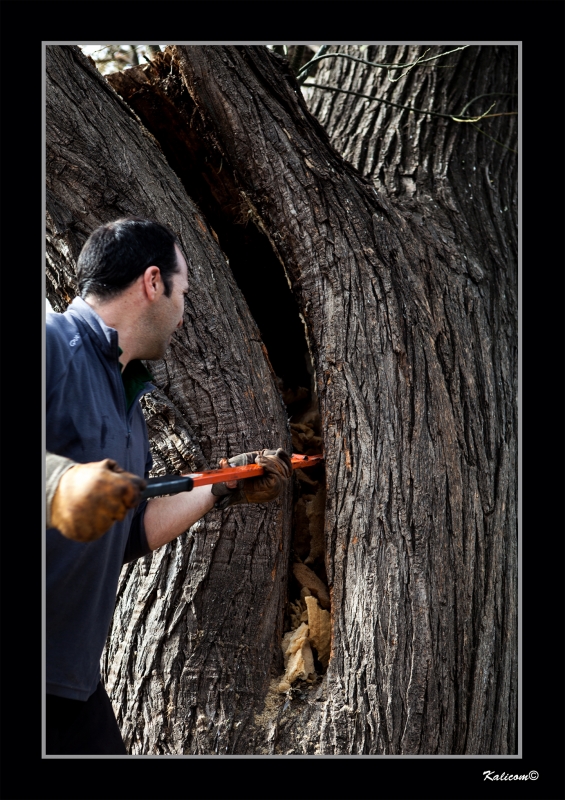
(116, 254)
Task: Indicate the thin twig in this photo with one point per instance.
(420, 60)
(404, 74)
(387, 102)
(486, 115)
(501, 114)
(440, 55)
(474, 119)
(304, 72)
(495, 140)
(489, 94)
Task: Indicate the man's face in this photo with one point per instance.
(167, 313)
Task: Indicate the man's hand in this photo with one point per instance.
(91, 497)
(277, 468)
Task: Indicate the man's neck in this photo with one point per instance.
(111, 312)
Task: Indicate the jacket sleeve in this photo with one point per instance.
(136, 546)
(56, 466)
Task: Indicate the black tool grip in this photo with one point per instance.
(167, 484)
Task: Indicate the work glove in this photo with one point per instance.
(277, 468)
(91, 497)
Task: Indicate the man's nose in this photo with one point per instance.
(181, 323)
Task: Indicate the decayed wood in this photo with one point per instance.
(198, 623)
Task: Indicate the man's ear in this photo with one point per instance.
(152, 282)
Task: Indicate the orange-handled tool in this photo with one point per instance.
(173, 484)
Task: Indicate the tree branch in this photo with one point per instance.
(306, 69)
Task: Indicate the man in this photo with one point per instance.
(132, 279)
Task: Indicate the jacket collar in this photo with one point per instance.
(105, 337)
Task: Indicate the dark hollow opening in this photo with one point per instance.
(261, 278)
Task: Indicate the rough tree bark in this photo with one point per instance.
(465, 175)
(409, 297)
(199, 621)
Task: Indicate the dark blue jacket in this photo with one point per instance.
(87, 420)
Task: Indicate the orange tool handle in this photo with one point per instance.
(173, 484)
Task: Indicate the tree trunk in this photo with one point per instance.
(198, 622)
(409, 299)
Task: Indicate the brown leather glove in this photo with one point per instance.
(91, 497)
(277, 468)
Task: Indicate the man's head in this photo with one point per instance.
(116, 254)
(133, 273)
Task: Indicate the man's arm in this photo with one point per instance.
(167, 517)
(84, 500)
(55, 468)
